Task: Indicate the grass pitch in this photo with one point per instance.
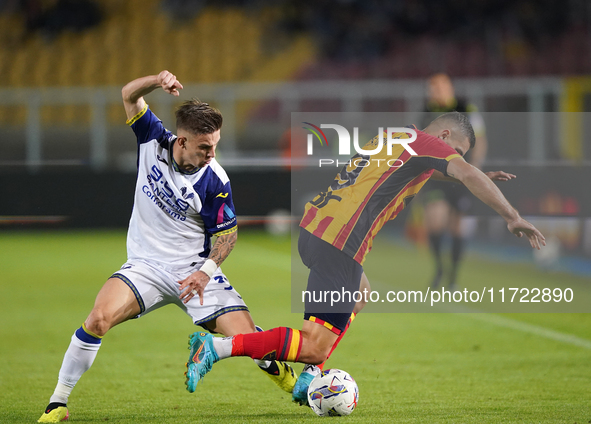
(411, 368)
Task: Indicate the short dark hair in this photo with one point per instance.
(198, 117)
(461, 121)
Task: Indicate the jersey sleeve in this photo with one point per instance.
(147, 127)
(218, 213)
(433, 153)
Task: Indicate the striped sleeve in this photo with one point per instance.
(433, 153)
(218, 213)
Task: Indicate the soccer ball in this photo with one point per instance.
(333, 393)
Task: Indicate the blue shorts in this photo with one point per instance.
(332, 274)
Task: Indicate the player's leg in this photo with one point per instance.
(299, 394)
(240, 322)
(436, 221)
(114, 304)
(232, 323)
(225, 312)
(311, 345)
(330, 269)
(364, 287)
(282, 343)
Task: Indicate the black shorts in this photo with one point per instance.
(334, 278)
(457, 195)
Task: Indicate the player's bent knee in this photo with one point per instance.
(313, 353)
(318, 359)
(98, 323)
(315, 357)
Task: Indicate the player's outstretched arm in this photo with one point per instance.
(482, 187)
(499, 175)
(195, 283)
(133, 93)
(493, 175)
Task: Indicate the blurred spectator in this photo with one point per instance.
(445, 202)
(74, 15)
(183, 10)
(358, 29)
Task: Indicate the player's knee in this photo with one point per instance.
(97, 323)
(313, 352)
(318, 357)
(315, 356)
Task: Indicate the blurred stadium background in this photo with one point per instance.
(68, 160)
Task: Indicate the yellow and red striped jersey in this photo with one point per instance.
(371, 190)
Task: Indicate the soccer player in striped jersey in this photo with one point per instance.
(182, 199)
(337, 231)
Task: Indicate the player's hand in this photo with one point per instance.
(500, 175)
(169, 83)
(193, 285)
(520, 226)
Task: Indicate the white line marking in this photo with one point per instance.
(533, 329)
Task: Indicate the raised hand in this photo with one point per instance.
(169, 83)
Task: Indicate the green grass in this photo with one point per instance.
(411, 368)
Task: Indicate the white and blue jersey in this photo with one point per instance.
(174, 213)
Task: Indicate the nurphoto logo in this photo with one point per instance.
(344, 139)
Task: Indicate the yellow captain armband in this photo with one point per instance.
(141, 113)
(230, 231)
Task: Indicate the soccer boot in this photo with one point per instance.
(201, 358)
(54, 413)
(282, 374)
(300, 390)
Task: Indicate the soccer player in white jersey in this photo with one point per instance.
(182, 199)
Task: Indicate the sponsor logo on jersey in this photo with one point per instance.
(222, 195)
(160, 192)
(225, 224)
(225, 214)
(185, 194)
